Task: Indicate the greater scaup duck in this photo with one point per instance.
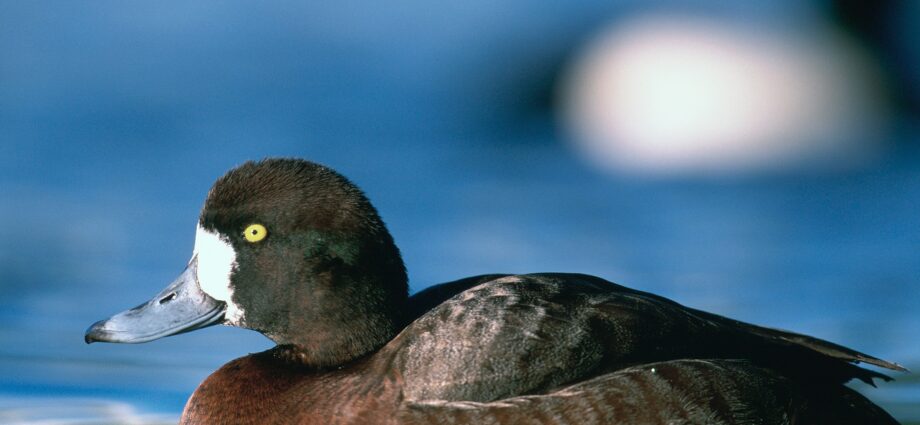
(293, 250)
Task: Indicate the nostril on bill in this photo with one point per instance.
(168, 298)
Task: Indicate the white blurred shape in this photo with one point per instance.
(666, 94)
(72, 411)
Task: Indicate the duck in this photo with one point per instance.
(294, 250)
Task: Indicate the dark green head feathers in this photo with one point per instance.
(326, 261)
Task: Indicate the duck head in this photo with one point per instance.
(288, 248)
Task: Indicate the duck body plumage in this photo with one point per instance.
(295, 251)
(553, 348)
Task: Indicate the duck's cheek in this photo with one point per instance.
(216, 264)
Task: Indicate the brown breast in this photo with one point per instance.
(261, 389)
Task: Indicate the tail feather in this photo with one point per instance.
(803, 354)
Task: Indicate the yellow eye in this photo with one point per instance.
(255, 233)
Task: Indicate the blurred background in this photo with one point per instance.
(756, 159)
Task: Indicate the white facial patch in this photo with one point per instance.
(216, 260)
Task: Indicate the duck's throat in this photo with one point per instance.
(293, 355)
(318, 357)
(329, 347)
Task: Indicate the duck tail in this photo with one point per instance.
(803, 355)
(842, 406)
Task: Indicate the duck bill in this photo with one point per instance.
(181, 307)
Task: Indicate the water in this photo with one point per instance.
(115, 120)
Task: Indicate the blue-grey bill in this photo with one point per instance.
(181, 307)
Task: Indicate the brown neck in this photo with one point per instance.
(336, 338)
